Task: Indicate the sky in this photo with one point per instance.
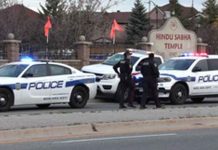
(124, 5)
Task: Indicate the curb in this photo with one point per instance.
(104, 129)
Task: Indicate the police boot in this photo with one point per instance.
(122, 107)
(160, 106)
(131, 105)
(142, 107)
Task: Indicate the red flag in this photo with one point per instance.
(47, 26)
(115, 26)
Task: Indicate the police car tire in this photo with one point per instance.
(197, 100)
(43, 106)
(7, 95)
(79, 91)
(174, 98)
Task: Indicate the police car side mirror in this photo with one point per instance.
(196, 69)
(26, 75)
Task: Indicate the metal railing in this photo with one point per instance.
(3, 54)
(95, 56)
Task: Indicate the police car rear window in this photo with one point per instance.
(213, 64)
(59, 70)
(12, 70)
(157, 61)
(117, 57)
(176, 64)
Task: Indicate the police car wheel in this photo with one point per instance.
(178, 94)
(79, 97)
(5, 99)
(197, 100)
(43, 106)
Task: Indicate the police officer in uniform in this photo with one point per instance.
(126, 81)
(150, 74)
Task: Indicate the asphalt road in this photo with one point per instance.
(201, 139)
(98, 105)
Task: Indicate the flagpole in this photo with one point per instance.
(46, 30)
(114, 46)
(46, 50)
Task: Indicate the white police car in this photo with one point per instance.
(107, 79)
(192, 76)
(44, 83)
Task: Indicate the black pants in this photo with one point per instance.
(126, 87)
(150, 91)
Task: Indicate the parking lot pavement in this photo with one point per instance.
(97, 105)
(29, 120)
(39, 127)
(97, 111)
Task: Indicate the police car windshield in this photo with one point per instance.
(12, 70)
(176, 64)
(116, 58)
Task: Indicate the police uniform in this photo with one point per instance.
(150, 74)
(126, 81)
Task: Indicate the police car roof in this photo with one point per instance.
(139, 53)
(196, 57)
(27, 62)
(37, 62)
(213, 56)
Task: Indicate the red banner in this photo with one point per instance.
(115, 27)
(47, 26)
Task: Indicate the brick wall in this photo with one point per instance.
(3, 61)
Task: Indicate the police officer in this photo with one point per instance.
(126, 81)
(150, 74)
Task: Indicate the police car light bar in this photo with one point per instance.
(140, 51)
(194, 54)
(26, 59)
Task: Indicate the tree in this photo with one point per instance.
(83, 17)
(175, 8)
(53, 8)
(208, 34)
(7, 3)
(23, 23)
(14, 18)
(138, 23)
(211, 10)
(209, 26)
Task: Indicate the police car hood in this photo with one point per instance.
(99, 69)
(172, 73)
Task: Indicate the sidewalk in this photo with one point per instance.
(21, 128)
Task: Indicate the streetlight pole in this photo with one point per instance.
(149, 10)
(156, 10)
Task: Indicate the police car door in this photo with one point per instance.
(201, 85)
(39, 84)
(213, 75)
(61, 76)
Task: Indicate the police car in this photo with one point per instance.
(44, 83)
(108, 80)
(191, 75)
